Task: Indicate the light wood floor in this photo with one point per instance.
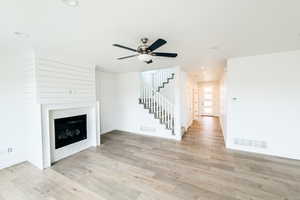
(134, 167)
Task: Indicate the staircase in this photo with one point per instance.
(157, 104)
(161, 78)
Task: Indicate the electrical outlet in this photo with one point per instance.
(147, 129)
(10, 150)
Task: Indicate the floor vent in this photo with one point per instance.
(250, 143)
(148, 129)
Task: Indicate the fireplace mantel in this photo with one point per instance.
(47, 110)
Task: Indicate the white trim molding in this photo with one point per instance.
(48, 115)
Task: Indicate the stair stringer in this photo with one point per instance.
(168, 81)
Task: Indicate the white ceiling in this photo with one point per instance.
(205, 74)
(202, 32)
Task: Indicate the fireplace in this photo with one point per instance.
(70, 130)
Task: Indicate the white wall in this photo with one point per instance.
(106, 90)
(147, 77)
(187, 85)
(223, 104)
(12, 110)
(131, 116)
(128, 87)
(268, 103)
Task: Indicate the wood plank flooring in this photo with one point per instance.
(134, 167)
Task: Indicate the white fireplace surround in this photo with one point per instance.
(55, 111)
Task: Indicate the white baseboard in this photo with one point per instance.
(106, 132)
(10, 164)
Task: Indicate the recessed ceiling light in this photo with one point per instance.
(21, 35)
(72, 3)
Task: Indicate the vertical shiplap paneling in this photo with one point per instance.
(30, 81)
(64, 83)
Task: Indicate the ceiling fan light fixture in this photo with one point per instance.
(146, 52)
(71, 3)
(145, 57)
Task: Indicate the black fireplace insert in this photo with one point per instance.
(70, 130)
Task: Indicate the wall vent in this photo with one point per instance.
(251, 143)
(148, 129)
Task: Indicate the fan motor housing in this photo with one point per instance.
(143, 49)
(144, 40)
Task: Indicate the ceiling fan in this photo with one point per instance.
(145, 52)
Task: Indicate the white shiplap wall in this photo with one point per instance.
(30, 85)
(58, 82)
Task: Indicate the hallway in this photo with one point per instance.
(205, 132)
(135, 167)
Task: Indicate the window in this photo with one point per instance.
(208, 96)
(208, 103)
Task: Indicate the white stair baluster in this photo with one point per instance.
(160, 78)
(142, 95)
(164, 111)
(152, 101)
(169, 125)
(149, 96)
(145, 94)
(148, 99)
(167, 112)
(169, 116)
(160, 107)
(157, 104)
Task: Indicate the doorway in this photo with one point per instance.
(208, 98)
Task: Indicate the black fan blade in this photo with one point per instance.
(150, 61)
(128, 56)
(158, 43)
(128, 48)
(171, 55)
